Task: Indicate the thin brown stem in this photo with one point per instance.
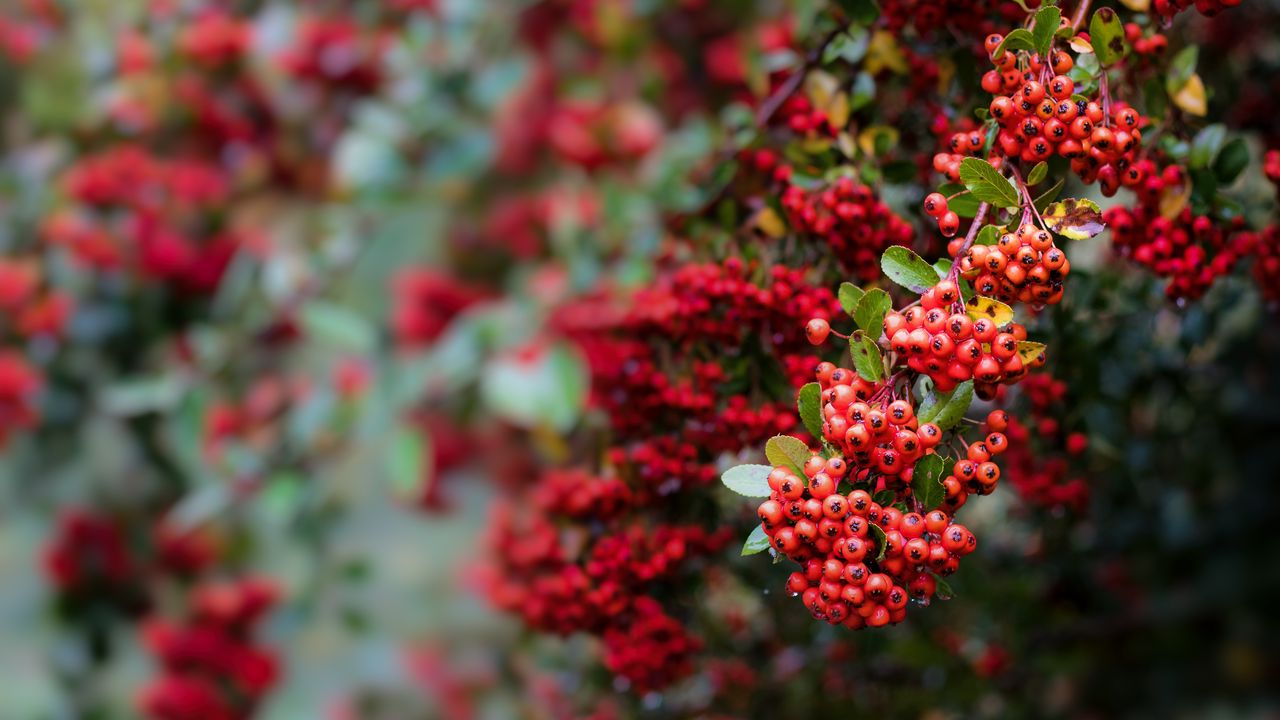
(1082, 11)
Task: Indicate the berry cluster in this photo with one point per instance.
(1023, 266)
(1039, 462)
(1038, 117)
(850, 219)
(1266, 266)
(212, 666)
(976, 474)
(852, 575)
(425, 302)
(652, 651)
(939, 339)
(1167, 9)
(798, 115)
(1192, 250)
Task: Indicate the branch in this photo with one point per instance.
(788, 88)
(1077, 20)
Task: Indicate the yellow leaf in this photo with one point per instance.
(867, 139)
(1191, 98)
(768, 222)
(1136, 5)
(1029, 352)
(1074, 218)
(1174, 199)
(821, 87)
(1080, 44)
(845, 142)
(815, 146)
(838, 110)
(946, 73)
(985, 307)
(883, 52)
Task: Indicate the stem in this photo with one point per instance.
(1030, 207)
(771, 105)
(1082, 10)
(972, 235)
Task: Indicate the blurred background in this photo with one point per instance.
(379, 359)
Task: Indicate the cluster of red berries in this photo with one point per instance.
(798, 115)
(886, 439)
(850, 577)
(212, 666)
(425, 302)
(849, 218)
(976, 473)
(1266, 265)
(1024, 266)
(1145, 45)
(1038, 464)
(1169, 8)
(652, 650)
(1193, 251)
(968, 17)
(939, 339)
(1038, 118)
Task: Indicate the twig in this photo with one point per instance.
(1082, 10)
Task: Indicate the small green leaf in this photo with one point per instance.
(907, 269)
(1048, 19)
(884, 497)
(877, 533)
(966, 205)
(988, 235)
(787, 451)
(749, 480)
(1206, 144)
(1043, 199)
(1038, 173)
(871, 311)
(866, 358)
(942, 589)
(809, 403)
(1181, 69)
(1106, 33)
(338, 325)
(849, 295)
(863, 11)
(926, 481)
(987, 184)
(1074, 218)
(947, 409)
(1019, 39)
(756, 542)
(1232, 161)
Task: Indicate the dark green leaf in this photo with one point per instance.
(884, 497)
(877, 533)
(926, 481)
(1043, 199)
(863, 11)
(787, 451)
(1207, 143)
(988, 235)
(1047, 21)
(871, 311)
(908, 269)
(866, 357)
(756, 542)
(1182, 67)
(987, 184)
(966, 205)
(809, 403)
(1232, 161)
(947, 409)
(943, 589)
(1106, 33)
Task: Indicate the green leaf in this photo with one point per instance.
(1048, 19)
(784, 450)
(942, 589)
(849, 295)
(1232, 161)
(926, 481)
(987, 184)
(1181, 69)
(1074, 218)
(883, 497)
(1038, 173)
(966, 205)
(871, 311)
(1206, 144)
(756, 542)
(878, 533)
(408, 464)
(988, 235)
(947, 409)
(863, 11)
(1106, 33)
(337, 325)
(866, 358)
(809, 403)
(864, 91)
(749, 480)
(1043, 199)
(1019, 39)
(907, 269)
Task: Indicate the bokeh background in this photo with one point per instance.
(318, 354)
